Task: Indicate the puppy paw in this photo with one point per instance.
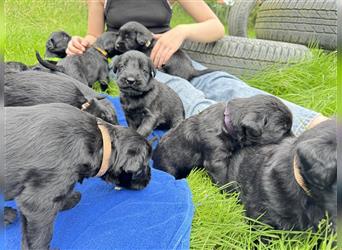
(71, 201)
(10, 214)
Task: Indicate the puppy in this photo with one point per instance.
(289, 185)
(91, 66)
(54, 50)
(15, 67)
(209, 138)
(147, 103)
(135, 36)
(56, 46)
(51, 147)
(33, 87)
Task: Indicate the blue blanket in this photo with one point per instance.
(157, 217)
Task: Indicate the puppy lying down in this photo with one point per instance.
(209, 139)
(290, 184)
(135, 36)
(147, 103)
(34, 87)
(50, 147)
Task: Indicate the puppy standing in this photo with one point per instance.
(50, 147)
(135, 36)
(209, 138)
(34, 87)
(92, 65)
(292, 184)
(147, 103)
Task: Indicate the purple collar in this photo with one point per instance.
(227, 122)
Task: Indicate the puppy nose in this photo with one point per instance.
(130, 80)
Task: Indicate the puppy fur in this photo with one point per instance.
(135, 36)
(50, 147)
(14, 67)
(91, 66)
(147, 103)
(204, 140)
(264, 176)
(32, 87)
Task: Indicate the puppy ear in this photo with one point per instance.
(317, 162)
(116, 62)
(144, 39)
(109, 42)
(153, 70)
(251, 126)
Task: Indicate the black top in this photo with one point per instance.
(154, 14)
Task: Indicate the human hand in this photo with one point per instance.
(167, 44)
(77, 45)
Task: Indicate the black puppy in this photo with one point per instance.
(32, 87)
(56, 46)
(209, 138)
(51, 147)
(135, 36)
(147, 103)
(54, 50)
(15, 67)
(92, 65)
(290, 185)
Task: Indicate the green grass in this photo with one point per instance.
(311, 83)
(219, 221)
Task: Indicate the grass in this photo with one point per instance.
(219, 221)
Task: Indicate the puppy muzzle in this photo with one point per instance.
(134, 181)
(120, 46)
(50, 44)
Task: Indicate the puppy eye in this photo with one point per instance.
(265, 121)
(132, 151)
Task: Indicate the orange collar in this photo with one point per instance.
(298, 177)
(85, 106)
(107, 148)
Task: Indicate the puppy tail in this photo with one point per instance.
(48, 64)
(201, 72)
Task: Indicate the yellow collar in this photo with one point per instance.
(103, 52)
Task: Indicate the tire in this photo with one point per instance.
(238, 17)
(299, 21)
(243, 56)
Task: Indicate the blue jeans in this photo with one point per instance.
(220, 86)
